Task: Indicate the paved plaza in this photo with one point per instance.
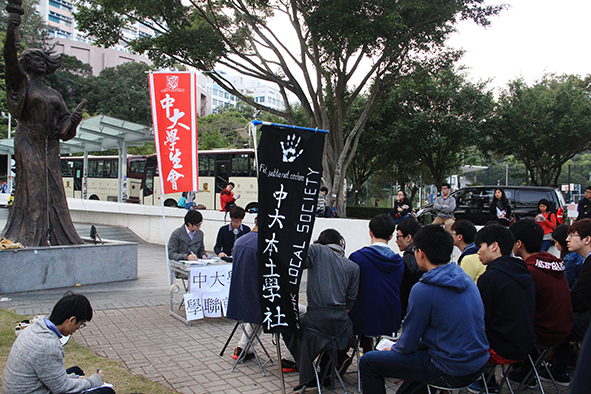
(133, 326)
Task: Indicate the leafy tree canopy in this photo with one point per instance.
(434, 117)
(543, 125)
(121, 92)
(334, 41)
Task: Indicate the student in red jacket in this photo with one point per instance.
(553, 317)
(227, 197)
(547, 220)
(579, 240)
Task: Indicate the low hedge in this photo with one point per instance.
(358, 212)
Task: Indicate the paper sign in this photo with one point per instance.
(193, 307)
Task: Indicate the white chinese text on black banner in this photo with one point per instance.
(290, 170)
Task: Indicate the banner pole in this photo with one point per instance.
(253, 133)
(278, 346)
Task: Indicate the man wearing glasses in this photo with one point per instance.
(228, 234)
(36, 361)
(186, 242)
(579, 241)
(444, 206)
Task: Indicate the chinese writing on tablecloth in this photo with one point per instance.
(172, 138)
(210, 285)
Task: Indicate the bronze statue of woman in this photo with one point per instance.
(39, 215)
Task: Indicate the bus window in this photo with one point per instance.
(151, 170)
(240, 165)
(136, 167)
(92, 164)
(113, 165)
(206, 164)
(67, 168)
(100, 168)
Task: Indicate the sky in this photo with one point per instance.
(531, 38)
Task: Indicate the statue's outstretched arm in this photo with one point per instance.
(15, 75)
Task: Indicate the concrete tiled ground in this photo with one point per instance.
(132, 325)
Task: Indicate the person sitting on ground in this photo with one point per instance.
(573, 262)
(463, 233)
(404, 233)
(227, 198)
(190, 200)
(36, 360)
(553, 318)
(182, 200)
(186, 242)
(442, 340)
(402, 207)
(547, 219)
(508, 295)
(444, 207)
(333, 283)
(584, 205)
(228, 234)
(500, 209)
(377, 308)
(579, 240)
(321, 207)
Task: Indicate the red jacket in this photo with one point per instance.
(553, 318)
(550, 224)
(225, 198)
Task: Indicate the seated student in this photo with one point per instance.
(548, 221)
(553, 318)
(573, 262)
(579, 240)
(463, 233)
(377, 308)
(402, 207)
(228, 234)
(443, 340)
(36, 361)
(243, 299)
(404, 233)
(508, 295)
(333, 282)
(186, 242)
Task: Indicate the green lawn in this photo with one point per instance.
(123, 381)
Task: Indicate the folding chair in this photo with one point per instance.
(540, 362)
(331, 366)
(185, 279)
(252, 339)
(440, 389)
(505, 368)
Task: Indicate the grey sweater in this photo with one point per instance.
(444, 207)
(36, 365)
(333, 279)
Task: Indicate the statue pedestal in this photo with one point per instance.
(53, 267)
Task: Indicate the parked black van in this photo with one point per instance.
(473, 202)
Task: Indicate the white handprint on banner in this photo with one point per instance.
(290, 152)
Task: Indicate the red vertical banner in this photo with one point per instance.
(174, 114)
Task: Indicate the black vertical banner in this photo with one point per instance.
(290, 169)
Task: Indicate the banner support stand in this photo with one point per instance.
(278, 346)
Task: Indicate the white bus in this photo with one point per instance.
(217, 167)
